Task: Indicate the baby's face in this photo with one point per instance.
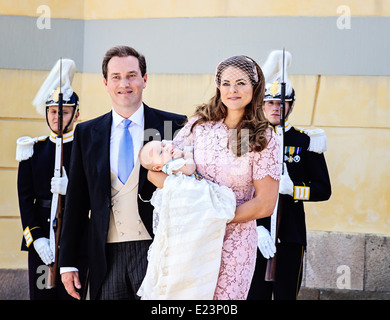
(160, 152)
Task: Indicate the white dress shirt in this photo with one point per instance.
(136, 129)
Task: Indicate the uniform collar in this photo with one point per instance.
(67, 137)
(287, 126)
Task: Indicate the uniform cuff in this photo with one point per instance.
(301, 193)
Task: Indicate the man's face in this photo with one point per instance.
(125, 83)
(271, 110)
(67, 112)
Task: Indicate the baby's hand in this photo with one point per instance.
(177, 153)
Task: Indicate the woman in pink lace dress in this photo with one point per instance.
(234, 147)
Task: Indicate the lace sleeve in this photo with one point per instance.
(268, 161)
(184, 138)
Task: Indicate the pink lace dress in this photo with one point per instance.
(219, 164)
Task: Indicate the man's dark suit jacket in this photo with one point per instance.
(89, 189)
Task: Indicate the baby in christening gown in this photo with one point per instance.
(190, 217)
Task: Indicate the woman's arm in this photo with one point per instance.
(263, 203)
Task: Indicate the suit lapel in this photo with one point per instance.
(153, 130)
(101, 140)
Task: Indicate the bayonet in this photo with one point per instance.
(56, 203)
(270, 274)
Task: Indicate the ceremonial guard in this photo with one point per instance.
(36, 181)
(305, 178)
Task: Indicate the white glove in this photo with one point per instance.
(286, 186)
(42, 247)
(265, 243)
(59, 184)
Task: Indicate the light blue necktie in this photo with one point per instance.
(126, 153)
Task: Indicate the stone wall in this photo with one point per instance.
(337, 266)
(14, 284)
(346, 266)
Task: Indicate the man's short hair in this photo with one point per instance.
(123, 51)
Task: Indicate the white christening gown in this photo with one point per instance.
(185, 256)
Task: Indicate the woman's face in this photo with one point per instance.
(236, 89)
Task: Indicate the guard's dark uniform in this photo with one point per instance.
(309, 173)
(34, 184)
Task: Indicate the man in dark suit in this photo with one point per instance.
(115, 210)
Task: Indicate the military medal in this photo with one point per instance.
(289, 154)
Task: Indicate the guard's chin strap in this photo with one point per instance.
(76, 108)
(290, 110)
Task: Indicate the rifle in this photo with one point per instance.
(276, 216)
(56, 202)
